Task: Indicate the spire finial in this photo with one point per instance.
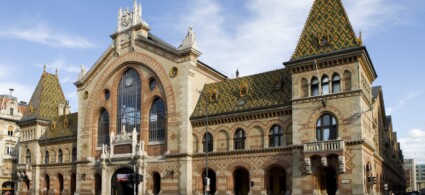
(360, 39)
(237, 73)
(56, 71)
(44, 68)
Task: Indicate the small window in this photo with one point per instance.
(276, 136)
(239, 139)
(326, 128)
(28, 157)
(336, 84)
(10, 131)
(314, 86)
(74, 154)
(60, 156)
(107, 94)
(207, 141)
(325, 85)
(46, 157)
(10, 150)
(11, 111)
(152, 84)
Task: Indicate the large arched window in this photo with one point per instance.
(28, 157)
(325, 85)
(46, 157)
(46, 183)
(276, 136)
(207, 141)
(336, 83)
(103, 128)
(128, 106)
(157, 121)
(326, 128)
(60, 156)
(239, 139)
(314, 86)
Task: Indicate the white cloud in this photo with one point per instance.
(408, 96)
(415, 139)
(44, 34)
(267, 36)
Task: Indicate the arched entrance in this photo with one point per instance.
(156, 183)
(213, 181)
(97, 184)
(8, 188)
(276, 177)
(120, 184)
(327, 180)
(46, 184)
(60, 182)
(241, 181)
(73, 182)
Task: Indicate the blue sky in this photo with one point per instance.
(251, 35)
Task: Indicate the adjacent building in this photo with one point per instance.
(317, 126)
(11, 111)
(410, 174)
(420, 176)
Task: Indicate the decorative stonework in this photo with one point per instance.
(173, 72)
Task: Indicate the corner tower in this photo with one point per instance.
(332, 76)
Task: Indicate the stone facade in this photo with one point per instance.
(315, 127)
(11, 111)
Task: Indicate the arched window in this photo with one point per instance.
(276, 136)
(157, 121)
(239, 139)
(74, 154)
(28, 157)
(347, 80)
(304, 87)
(207, 141)
(46, 157)
(60, 156)
(128, 106)
(336, 83)
(103, 128)
(314, 86)
(325, 85)
(326, 128)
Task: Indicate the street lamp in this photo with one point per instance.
(386, 188)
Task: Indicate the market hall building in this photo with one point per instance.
(317, 126)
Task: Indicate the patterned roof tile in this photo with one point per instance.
(264, 90)
(327, 29)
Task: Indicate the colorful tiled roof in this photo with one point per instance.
(262, 91)
(63, 126)
(327, 29)
(46, 98)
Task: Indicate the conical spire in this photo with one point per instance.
(327, 29)
(45, 100)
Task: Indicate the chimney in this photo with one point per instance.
(67, 108)
(61, 109)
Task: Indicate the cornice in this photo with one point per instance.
(327, 97)
(243, 116)
(239, 152)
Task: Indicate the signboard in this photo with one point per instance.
(122, 177)
(345, 181)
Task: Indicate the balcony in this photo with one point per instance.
(324, 146)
